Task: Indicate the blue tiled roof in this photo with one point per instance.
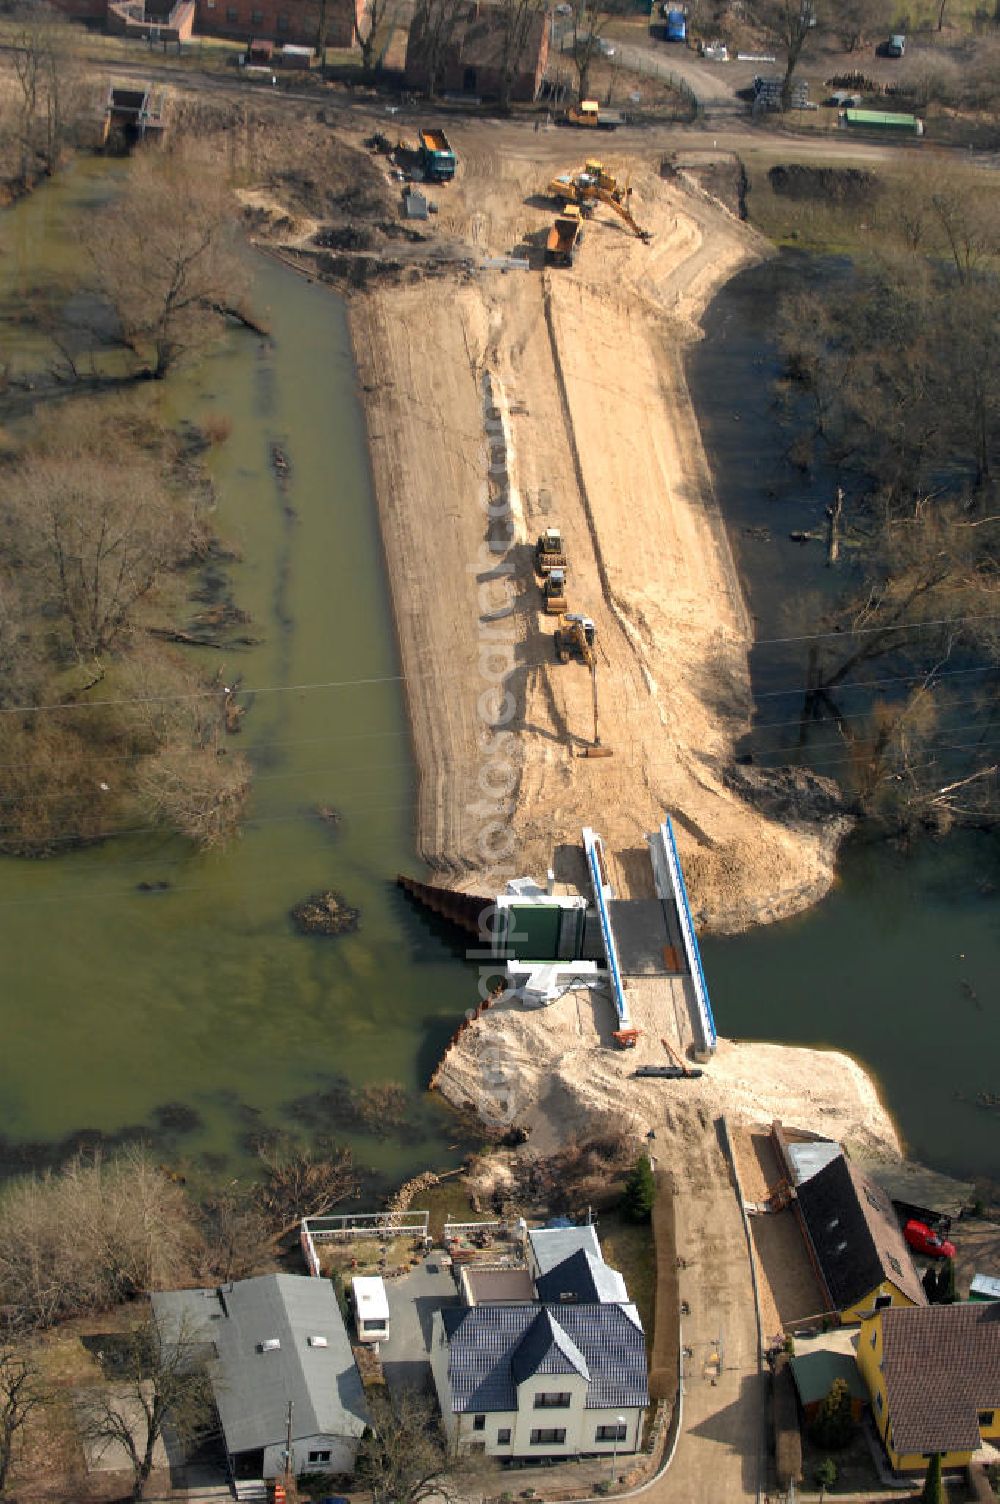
(545, 1348)
(581, 1278)
(487, 1351)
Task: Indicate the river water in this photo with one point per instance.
(197, 1011)
(900, 965)
(197, 1015)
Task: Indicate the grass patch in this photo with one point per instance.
(628, 1247)
(448, 1201)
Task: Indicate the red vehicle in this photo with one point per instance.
(923, 1240)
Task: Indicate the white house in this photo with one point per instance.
(536, 1380)
(269, 1342)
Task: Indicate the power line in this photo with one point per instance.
(379, 679)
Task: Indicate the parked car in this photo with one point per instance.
(923, 1239)
(895, 46)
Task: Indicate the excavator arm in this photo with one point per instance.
(622, 209)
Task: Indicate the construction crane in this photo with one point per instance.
(593, 186)
(577, 635)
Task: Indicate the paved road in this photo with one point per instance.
(413, 1299)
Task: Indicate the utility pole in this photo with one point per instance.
(288, 1446)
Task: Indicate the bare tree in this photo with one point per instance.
(40, 59)
(165, 259)
(856, 20)
(519, 21)
(434, 24)
(302, 1182)
(789, 24)
(156, 1381)
(21, 1394)
(405, 1458)
(373, 24)
(590, 17)
(198, 790)
(239, 1239)
(89, 1237)
(95, 537)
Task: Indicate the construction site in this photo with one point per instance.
(545, 390)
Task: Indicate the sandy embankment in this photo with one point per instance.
(599, 436)
(603, 441)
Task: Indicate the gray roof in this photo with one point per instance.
(811, 1156)
(551, 1245)
(581, 1278)
(252, 1387)
(494, 1348)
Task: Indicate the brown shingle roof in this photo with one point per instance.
(941, 1366)
(856, 1235)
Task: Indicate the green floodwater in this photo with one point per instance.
(900, 966)
(118, 1005)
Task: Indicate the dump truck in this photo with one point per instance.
(565, 237)
(554, 592)
(590, 115)
(437, 157)
(549, 551)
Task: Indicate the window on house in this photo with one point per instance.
(479, 1422)
(478, 1448)
(611, 1433)
(986, 1418)
(894, 1265)
(503, 1436)
(881, 1301)
(232, 14)
(257, 17)
(553, 1401)
(320, 1456)
(879, 1404)
(875, 1338)
(282, 22)
(553, 1437)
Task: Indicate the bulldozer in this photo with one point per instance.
(554, 592)
(577, 635)
(549, 551)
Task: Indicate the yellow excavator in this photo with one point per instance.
(594, 186)
(576, 636)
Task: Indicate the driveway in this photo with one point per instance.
(413, 1300)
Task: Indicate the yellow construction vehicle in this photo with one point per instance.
(549, 551)
(564, 237)
(554, 592)
(595, 186)
(577, 635)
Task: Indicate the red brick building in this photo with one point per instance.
(295, 21)
(472, 58)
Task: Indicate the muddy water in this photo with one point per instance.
(196, 1009)
(900, 964)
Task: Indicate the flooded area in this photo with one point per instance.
(194, 1010)
(899, 964)
(152, 991)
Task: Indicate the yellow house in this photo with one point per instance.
(855, 1243)
(933, 1373)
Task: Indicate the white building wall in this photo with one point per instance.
(439, 1372)
(343, 1453)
